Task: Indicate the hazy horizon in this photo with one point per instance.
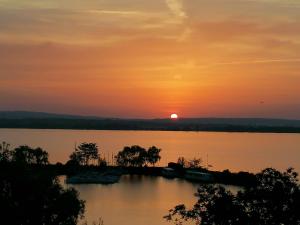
(146, 118)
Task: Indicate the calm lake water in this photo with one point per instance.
(139, 200)
(135, 200)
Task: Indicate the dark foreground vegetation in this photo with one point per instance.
(273, 200)
(31, 194)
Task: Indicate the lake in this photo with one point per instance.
(140, 200)
(233, 151)
(136, 200)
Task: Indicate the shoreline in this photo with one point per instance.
(160, 130)
(226, 177)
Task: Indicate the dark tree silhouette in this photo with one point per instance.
(153, 155)
(27, 155)
(28, 198)
(30, 195)
(194, 163)
(191, 163)
(84, 153)
(5, 153)
(182, 161)
(132, 156)
(274, 200)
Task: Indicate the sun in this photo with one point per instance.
(174, 116)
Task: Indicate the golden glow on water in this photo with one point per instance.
(234, 151)
(135, 200)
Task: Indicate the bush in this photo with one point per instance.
(274, 200)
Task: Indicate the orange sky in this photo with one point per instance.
(133, 58)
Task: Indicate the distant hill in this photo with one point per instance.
(38, 115)
(41, 120)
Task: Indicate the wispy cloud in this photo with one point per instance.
(263, 61)
(117, 12)
(176, 7)
(190, 65)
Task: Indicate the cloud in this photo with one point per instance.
(118, 12)
(259, 61)
(176, 7)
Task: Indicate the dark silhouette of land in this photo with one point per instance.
(38, 120)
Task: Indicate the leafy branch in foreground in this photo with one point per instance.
(274, 200)
(30, 194)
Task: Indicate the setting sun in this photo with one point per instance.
(174, 116)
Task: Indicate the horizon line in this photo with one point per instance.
(143, 118)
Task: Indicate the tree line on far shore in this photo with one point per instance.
(84, 155)
(135, 156)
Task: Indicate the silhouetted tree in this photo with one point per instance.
(84, 153)
(102, 162)
(27, 155)
(5, 152)
(274, 200)
(153, 155)
(76, 159)
(194, 163)
(131, 156)
(40, 156)
(182, 161)
(30, 198)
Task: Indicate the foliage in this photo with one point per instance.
(182, 161)
(274, 200)
(132, 156)
(31, 195)
(23, 155)
(102, 162)
(27, 198)
(192, 163)
(153, 155)
(137, 156)
(84, 153)
(27, 155)
(5, 152)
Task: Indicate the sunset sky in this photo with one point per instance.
(148, 59)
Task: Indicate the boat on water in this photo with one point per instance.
(94, 178)
(198, 176)
(169, 172)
